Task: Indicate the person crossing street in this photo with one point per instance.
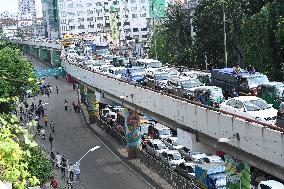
(45, 120)
(50, 140)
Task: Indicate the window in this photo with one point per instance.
(133, 8)
(144, 36)
(79, 13)
(143, 15)
(135, 30)
(98, 4)
(106, 17)
(90, 19)
(143, 29)
(133, 1)
(89, 4)
(70, 6)
(142, 1)
(70, 13)
(239, 105)
(79, 6)
(89, 12)
(81, 27)
(80, 19)
(134, 15)
(91, 26)
(100, 18)
(231, 103)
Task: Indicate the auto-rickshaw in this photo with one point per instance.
(213, 94)
(272, 93)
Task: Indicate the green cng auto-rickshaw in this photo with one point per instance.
(272, 93)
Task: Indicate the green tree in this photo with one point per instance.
(17, 75)
(14, 166)
(173, 36)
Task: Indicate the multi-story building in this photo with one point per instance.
(29, 13)
(76, 16)
(127, 17)
(51, 19)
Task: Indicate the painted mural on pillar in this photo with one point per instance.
(237, 172)
(133, 134)
(95, 105)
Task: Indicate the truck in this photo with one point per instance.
(244, 83)
(210, 175)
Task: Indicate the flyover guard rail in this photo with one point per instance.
(257, 139)
(172, 177)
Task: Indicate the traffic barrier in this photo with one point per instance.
(172, 177)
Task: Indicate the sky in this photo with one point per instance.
(9, 5)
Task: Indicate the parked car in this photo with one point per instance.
(270, 184)
(185, 152)
(186, 170)
(250, 107)
(159, 131)
(172, 143)
(157, 80)
(197, 156)
(172, 158)
(116, 72)
(213, 159)
(183, 87)
(156, 147)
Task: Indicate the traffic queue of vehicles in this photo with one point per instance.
(211, 89)
(162, 143)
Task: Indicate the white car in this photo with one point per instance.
(156, 147)
(172, 143)
(250, 107)
(172, 158)
(116, 72)
(197, 156)
(270, 184)
(94, 64)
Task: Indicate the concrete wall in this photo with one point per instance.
(254, 138)
(38, 44)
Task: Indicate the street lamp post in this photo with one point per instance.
(91, 150)
(225, 36)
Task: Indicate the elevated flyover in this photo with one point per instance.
(258, 144)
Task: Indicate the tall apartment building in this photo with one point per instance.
(51, 19)
(76, 16)
(127, 17)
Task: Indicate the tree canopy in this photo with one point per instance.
(254, 29)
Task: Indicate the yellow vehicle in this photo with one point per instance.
(68, 40)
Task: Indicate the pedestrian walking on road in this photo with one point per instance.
(63, 166)
(58, 159)
(42, 132)
(56, 89)
(52, 126)
(71, 173)
(74, 106)
(76, 168)
(52, 157)
(50, 140)
(53, 183)
(74, 86)
(66, 104)
(45, 118)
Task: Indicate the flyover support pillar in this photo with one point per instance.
(55, 58)
(132, 132)
(93, 106)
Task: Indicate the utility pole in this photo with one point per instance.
(225, 36)
(154, 28)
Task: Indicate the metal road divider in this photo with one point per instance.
(172, 177)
